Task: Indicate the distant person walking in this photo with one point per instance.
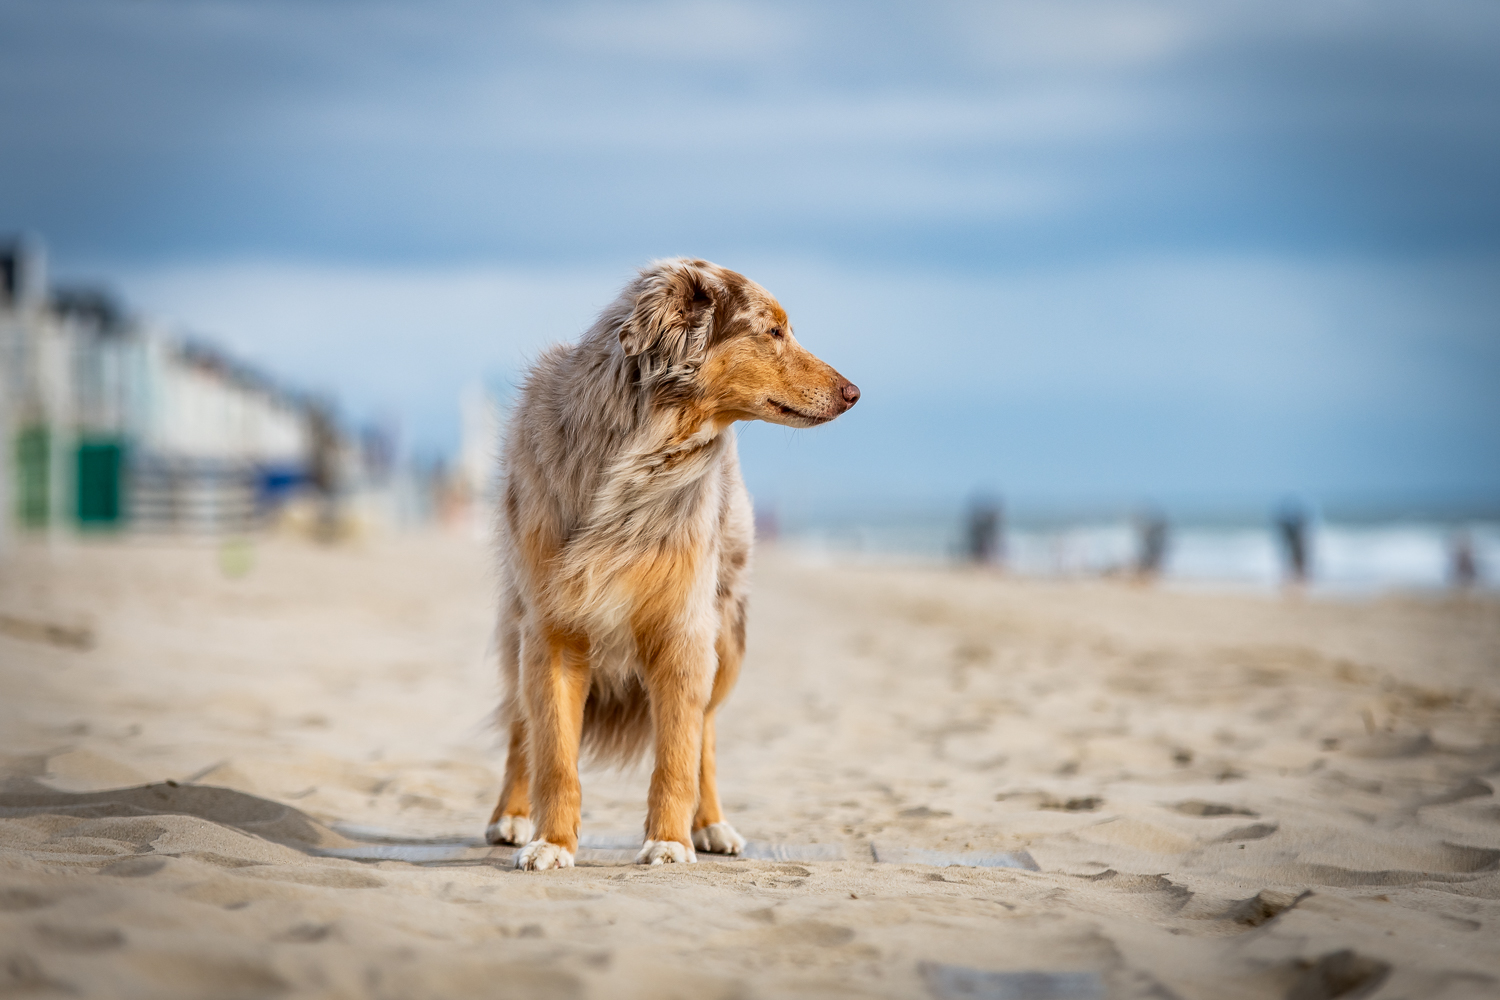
(1463, 565)
(986, 533)
(1151, 555)
(323, 471)
(1291, 529)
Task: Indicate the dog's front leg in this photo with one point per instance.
(555, 684)
(675, 680)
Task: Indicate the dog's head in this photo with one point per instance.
(714, 339)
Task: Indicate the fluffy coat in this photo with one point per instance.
(626, 535)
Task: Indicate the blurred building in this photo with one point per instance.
(111, 422)
(467, 494)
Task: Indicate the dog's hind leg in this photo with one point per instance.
(510, 823)
(555, 676)
(711, 832)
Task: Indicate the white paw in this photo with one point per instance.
(510, 830)
(718, 838)
(665, 852)
(539, 855)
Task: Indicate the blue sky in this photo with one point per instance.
(1104, 252)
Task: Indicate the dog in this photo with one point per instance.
(625, 533)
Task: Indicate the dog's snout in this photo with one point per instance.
(851, 394)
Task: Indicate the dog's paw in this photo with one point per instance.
(718, 838)
(665, 852)
(510, 830)
(539, 855)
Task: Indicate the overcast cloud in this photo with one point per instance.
(1105, 251)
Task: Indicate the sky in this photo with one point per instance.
(1084, 253)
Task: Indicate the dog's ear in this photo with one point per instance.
(671, 311)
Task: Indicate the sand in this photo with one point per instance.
(1224, 795)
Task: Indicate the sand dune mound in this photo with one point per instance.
(250, 814)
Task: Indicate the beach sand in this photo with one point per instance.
(273, 784)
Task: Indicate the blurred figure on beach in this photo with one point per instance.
(323, 471)
(1151, 554)
(986, 532)
(1463, 565)
(1291, 531)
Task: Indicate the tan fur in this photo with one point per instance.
(625, 540)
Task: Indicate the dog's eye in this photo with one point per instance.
(776, 332)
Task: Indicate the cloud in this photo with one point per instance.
(674, 33)
(391, 132)
(1091, 35)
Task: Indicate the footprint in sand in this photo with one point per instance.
(333, 878)
(304, 934)
(1460, 923)
(14, 900)
(1344, 974)
(1386, 746)
(80, 939)
(1197, 807)
(809, 932)
(1261, 908)
(1255, 831)
(1407, 864)
(20, 973)
(134, 867)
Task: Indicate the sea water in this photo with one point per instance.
(1344, 556)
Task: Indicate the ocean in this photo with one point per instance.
(1343, 557)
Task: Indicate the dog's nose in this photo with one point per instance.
(851, 394)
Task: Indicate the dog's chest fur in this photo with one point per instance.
(650, 546)
(615, 522)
